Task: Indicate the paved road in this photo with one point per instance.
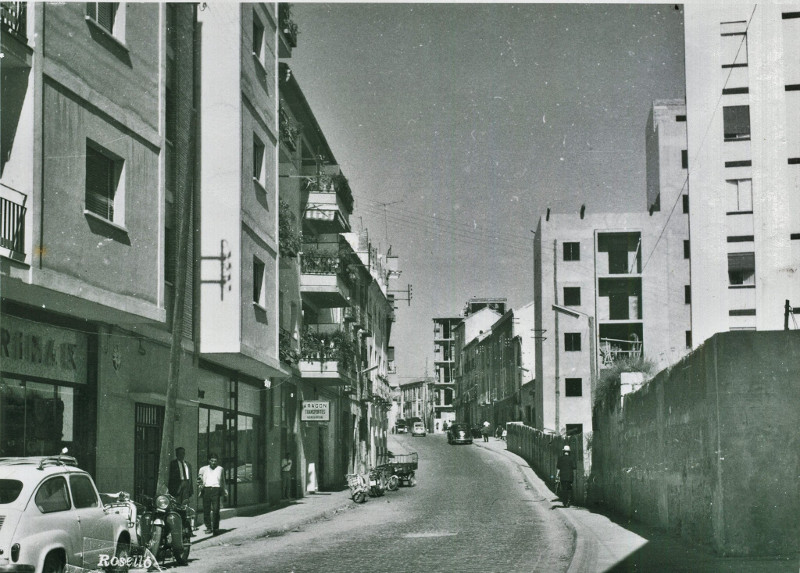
(470, 511)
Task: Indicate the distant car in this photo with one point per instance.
(459, 434)
(418, 429)
(401, 427)
(51, 509)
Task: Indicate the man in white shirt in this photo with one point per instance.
(211, 479)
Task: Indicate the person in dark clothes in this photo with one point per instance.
(565, 473)
(180, 477)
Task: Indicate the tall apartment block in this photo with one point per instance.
(743, 106)
(611, 286)
(443, 375)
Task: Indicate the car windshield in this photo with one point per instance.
(9, 490)
(459, 427)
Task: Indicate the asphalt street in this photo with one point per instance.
(471, 510)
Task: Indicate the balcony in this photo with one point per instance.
(329, 204)
(12, 228)
(322, 277)
(289, 237)
(328, 357)
(353, 314)
(287, 347)
(289, 30)
(289, 130)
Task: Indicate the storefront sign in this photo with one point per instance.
(316, 411)
(38, 349)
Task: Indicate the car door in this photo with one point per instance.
(96, 528)
(52, 512)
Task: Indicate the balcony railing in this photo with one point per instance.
(289, 129)
(13, 16)
(613, 350)
(288, 26)
(12, 226)
(287, 347)
(320, 264)
(328, 347)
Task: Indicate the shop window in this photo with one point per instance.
(52, 496)
(572, 296)
(572, 341)
(573, 387)
(572, 251)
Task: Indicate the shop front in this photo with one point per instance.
(46, 395)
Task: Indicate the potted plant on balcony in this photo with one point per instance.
(289, 238)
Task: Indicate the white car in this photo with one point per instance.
(418, 429)
(51, 516)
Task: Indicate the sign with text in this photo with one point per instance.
(316, 411)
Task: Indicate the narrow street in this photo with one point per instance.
(470, 511)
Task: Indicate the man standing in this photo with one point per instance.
(211, 479)
(180, 480)
(286, 476)
(565, 472)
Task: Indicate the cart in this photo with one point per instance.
(404, 467)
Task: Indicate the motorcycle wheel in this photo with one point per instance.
(154, 545)
(183, 557)
(379, 491)
(359, 497)
(178, 547)
(394, 483)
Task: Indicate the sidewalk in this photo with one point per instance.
(603, 544)
(275, 521)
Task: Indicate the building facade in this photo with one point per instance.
(444, 365)
(743, 105)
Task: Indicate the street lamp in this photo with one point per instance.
(592, 352)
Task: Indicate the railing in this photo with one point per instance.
(613, 350)
(289, 129)
(14, 17)
(325, 347)
(12, 226)
(319, 264)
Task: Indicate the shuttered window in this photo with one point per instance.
(100, 183)
(104, 13)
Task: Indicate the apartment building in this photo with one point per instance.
(122, 118)
(444, 365)
(612, 286)
(743, 106)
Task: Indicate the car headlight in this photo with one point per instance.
(15, 552)
(162, 502)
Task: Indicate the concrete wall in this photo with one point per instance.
(709, 449)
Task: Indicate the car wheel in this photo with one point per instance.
(394, 483)
(154, 546)
(122, 554)
(54, 563)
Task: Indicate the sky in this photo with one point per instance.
(458, 125)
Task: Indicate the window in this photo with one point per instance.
(83, 494)
(741, 269)
(688, 339)
(258, 160)
(739, 195)
(572, 251)
(680, 118)
(733, 45)
(104, 185)
(736, 121)
(572, 341)
(686, 249)
(573, 387)
(686, 204)
(572, 296)
(52, 496)
(259, 292)
(687, 294)
(258, 39)
(684, 158)
(574, 429)
(108, 16)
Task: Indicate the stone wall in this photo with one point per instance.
(709, 449)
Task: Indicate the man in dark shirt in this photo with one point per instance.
(565, 472)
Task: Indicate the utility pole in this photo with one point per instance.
(184, 177)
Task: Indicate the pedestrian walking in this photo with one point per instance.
(179, 484)
(498, 432)
(565, 473)
(211, 480)
(286, 476)
(485, 431)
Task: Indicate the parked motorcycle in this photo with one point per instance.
(165, 528)
(377, 483)
(358, 487)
